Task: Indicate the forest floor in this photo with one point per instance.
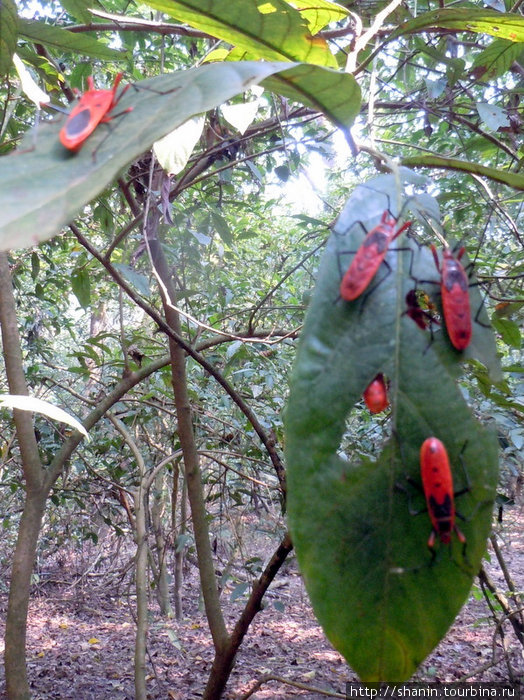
(81, 638)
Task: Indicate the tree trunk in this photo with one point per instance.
(193, 477)
(225, 658)
(156, 517)
(36, 494)
(141, 594)
(16, 621)
(177, 532)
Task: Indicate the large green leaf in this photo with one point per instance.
(43, 188)
(62, 40)
(363, 554)
(8, 33)
(274, 31)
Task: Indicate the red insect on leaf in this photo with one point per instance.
(369, 257)
(437, 483)
(92, 109)
(376, 395)
(455, 297)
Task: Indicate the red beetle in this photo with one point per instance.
(376, 395)
(369, 256)
(437, 483)
(455, 297)
(92, 109)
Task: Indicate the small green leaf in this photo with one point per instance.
(282, 172)
(454, 70)
(222, 227)
(496, 59)
(238, 591)
(80, 9)
(493, 116)
(435, 88)
(174, 150)
(509, 331)
(81, 286)
(137, 279)
(35, 265)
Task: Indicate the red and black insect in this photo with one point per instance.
(92, 109)
(369, 257)
(437, 483)
(376, 395)
(454, 286)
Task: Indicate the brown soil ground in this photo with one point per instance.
(80, 642)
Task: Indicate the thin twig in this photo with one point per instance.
(295, 684)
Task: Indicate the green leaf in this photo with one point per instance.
(35, 265)
(493, 116)
(8, 34)
(502, 25)
(435, 88)
(62, 182)
(81, 286)
(496, 59)
(62, 40)
(274, 31)
(509, 331)
(238, 591)
(174, 150)
(137, 279)
(362, 553)
(320, 13)
(335, 94)
(80, 9)
(514, 180)
(455, 70)
(222, 227)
